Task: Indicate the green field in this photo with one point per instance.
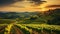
(29, 29)
(11, 26)
(30, 22)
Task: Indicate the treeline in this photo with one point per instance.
(53, 16)
(14, 15)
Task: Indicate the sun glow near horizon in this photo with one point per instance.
(27, 6)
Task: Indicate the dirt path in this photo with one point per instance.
(18, 31)
(2, 28)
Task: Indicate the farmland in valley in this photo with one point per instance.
(29, 29)
(30, 22)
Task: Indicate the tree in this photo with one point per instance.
(55, 14)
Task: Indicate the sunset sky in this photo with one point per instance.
(28, 5)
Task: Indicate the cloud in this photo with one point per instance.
(4, 3)
(7, 2)
(37, 2)
(53, 6)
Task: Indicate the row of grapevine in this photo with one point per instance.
(2, 29)
(29, 29)
(40, 28)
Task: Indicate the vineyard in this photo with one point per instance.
(29, 29)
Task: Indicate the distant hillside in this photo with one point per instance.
(49, 17)
(13, 15)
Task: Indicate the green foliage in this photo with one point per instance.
(6, 21)
(48, 17)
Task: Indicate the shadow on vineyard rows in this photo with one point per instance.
(29, 29)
